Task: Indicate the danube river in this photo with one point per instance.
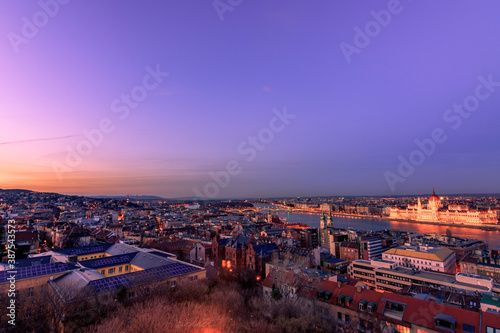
(313, 220)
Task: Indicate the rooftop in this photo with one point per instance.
(39, 270)
(80, 251)
(435, 254)
(108, 261)
(4, 265)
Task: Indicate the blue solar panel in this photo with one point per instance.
(109, 261)
(80, 251)
(32, 271)
(33, 261)
(142, 277)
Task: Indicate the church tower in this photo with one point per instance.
(322, 221)
(329, 219)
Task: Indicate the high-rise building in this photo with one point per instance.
(371, 247)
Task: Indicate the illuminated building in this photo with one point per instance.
(452, 214)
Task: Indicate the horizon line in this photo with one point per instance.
(194, 198)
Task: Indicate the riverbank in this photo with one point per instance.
(489, 227)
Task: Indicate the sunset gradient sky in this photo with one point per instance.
(353, 119)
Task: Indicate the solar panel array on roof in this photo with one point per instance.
(142, 277)
(109, 261)
(32, 271)
(79, 251)
(31, 261)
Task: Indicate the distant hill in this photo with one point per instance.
(116, 197)
(135, 197)
(17, 191)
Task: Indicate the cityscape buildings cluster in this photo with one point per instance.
(70, 248)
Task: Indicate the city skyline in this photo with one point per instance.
(247, 100)
(147, 197)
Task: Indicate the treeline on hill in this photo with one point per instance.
(199, 306)
(236, 204)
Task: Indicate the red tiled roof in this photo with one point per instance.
(348, 290)
(351, 245)
(417, 311)
(113, 239)
(423, 312)
(26, 236)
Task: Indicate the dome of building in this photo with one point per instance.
(434, 197)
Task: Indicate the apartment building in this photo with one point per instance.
(371, 247)
(423, 257)
(384, 275)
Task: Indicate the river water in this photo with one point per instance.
(313, 220)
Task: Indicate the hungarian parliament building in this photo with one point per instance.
(435, 212)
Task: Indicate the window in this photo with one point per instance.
(172, 284)
(120, 269)
(131, 294)
(347, 318)
(111, 271)
(361, 307)
(126, 268)
(30, 292)
(490, 329)
(339, 315)
(469, 328)
(402, 329)
(443, 323)
(102, 272)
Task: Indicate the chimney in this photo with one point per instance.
(359, 288)
(339, 284)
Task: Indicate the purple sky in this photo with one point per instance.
(353, 119)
